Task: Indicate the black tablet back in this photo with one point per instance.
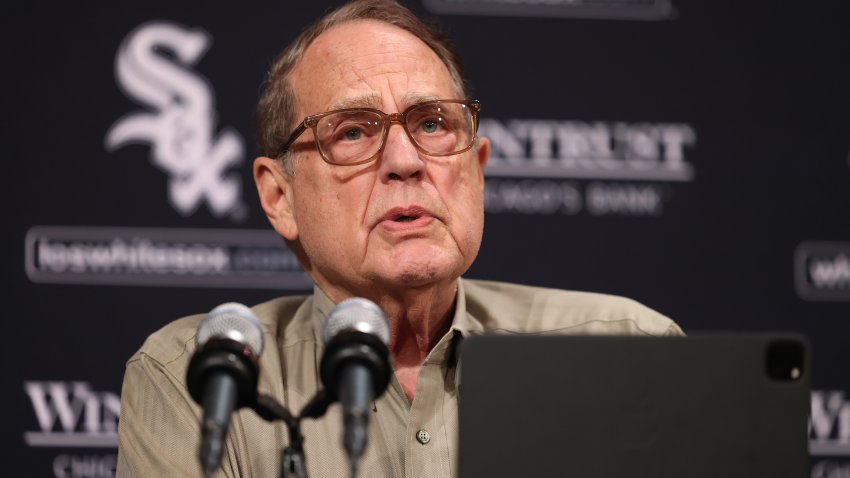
(712, 406)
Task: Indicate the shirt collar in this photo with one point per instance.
(322, 306)
(463, 323)
(447, 350)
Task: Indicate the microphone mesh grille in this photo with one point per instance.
(232, 321)
(358, 314)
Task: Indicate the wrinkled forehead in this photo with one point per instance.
(367, 63)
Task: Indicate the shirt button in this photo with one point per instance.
(423, 436)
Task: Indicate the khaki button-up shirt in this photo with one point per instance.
(159, 427)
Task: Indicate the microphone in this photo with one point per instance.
(222, 374)
(355, 367)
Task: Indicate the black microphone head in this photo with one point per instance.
(229, 340)
(356, 331)
(232, 321)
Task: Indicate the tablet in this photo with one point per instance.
(713, 405)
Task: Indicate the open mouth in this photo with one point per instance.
(403, 218)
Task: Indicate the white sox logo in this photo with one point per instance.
(152, 68)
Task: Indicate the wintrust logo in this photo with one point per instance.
(153, 67)
(71, 414)
(576, 149)
(603, 168)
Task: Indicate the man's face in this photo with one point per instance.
(406, 220)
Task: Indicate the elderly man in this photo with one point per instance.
(379, 191)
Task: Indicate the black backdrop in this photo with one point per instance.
(692, 155)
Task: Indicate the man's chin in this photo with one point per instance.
(418, 274)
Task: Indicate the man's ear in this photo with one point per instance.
(483, 153)
(275, 190)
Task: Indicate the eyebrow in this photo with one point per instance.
(373, 100)
(413, 98)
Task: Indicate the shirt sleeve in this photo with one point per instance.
(159, 427)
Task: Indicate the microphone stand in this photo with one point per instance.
(293, 464)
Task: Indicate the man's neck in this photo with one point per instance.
(417, 323)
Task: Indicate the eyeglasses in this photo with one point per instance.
(356, 135)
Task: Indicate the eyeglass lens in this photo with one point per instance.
(440, 129)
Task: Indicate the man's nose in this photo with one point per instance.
(400, 159)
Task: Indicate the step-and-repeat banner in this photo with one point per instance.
(692, 155)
